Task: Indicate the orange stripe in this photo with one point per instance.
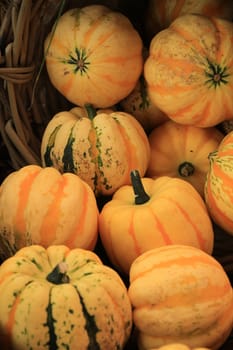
(51, 218)
(131, 232)
(11, 317)
(205, 295)
(78, 230)
(177, 260)
(24, 192)
(166, 238)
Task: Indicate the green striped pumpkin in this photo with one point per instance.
(102, 148)
(58, 298)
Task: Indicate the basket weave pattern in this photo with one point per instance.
(27, 99)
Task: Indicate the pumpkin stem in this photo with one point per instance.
(186, 169)
(58, 274)
(90, 111)
(141, 196)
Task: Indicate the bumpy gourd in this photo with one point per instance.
(99, 146)
(61, 298)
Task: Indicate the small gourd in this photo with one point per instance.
(61, 298)
(100, 146)
(93, 55)
(42, 206)
(153, 213)
(218, 185)
(180, 294)
(188, 70)
(182, 151)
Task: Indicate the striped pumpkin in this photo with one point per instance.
(41, 206)
(61, 298)
(218, 186)
(180, 294)
(102, 149)
(151, 213)
(182, 151)
(189, 70)
(160, 13)
(93, 55)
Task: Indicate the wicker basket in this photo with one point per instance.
(28, 101)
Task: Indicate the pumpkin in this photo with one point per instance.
(42, 206)
(218, 186)
(180, 294)
(138, 104)
(182, 151)
(101, 147)
(151, 213)
(93, 55)
(178, 346)
(160, 13)
(61, 298)
(188, 70)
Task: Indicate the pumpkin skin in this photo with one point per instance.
(218, 186)
(188, 70)
(79, 303)
(173, 213)
(177, 346)
(138, 104)
(94, 56)
(161, 13)
(42, 206)
(182, 151)
(101, 149)
(180, 294)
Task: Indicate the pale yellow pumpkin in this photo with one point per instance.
(180, 294)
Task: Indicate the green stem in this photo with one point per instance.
(141, 196)
(90, 111)
(186, 169)
(59, 274)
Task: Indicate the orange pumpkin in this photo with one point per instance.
(182, 151)
(218, 186)
(42, 206)
(188, 70)
(180, 294)
(94, 55)
(160, 13)
(152, 213)
(101, 148)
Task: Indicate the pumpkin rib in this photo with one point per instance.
(24, 192)
(200, 239)
(178, 261)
